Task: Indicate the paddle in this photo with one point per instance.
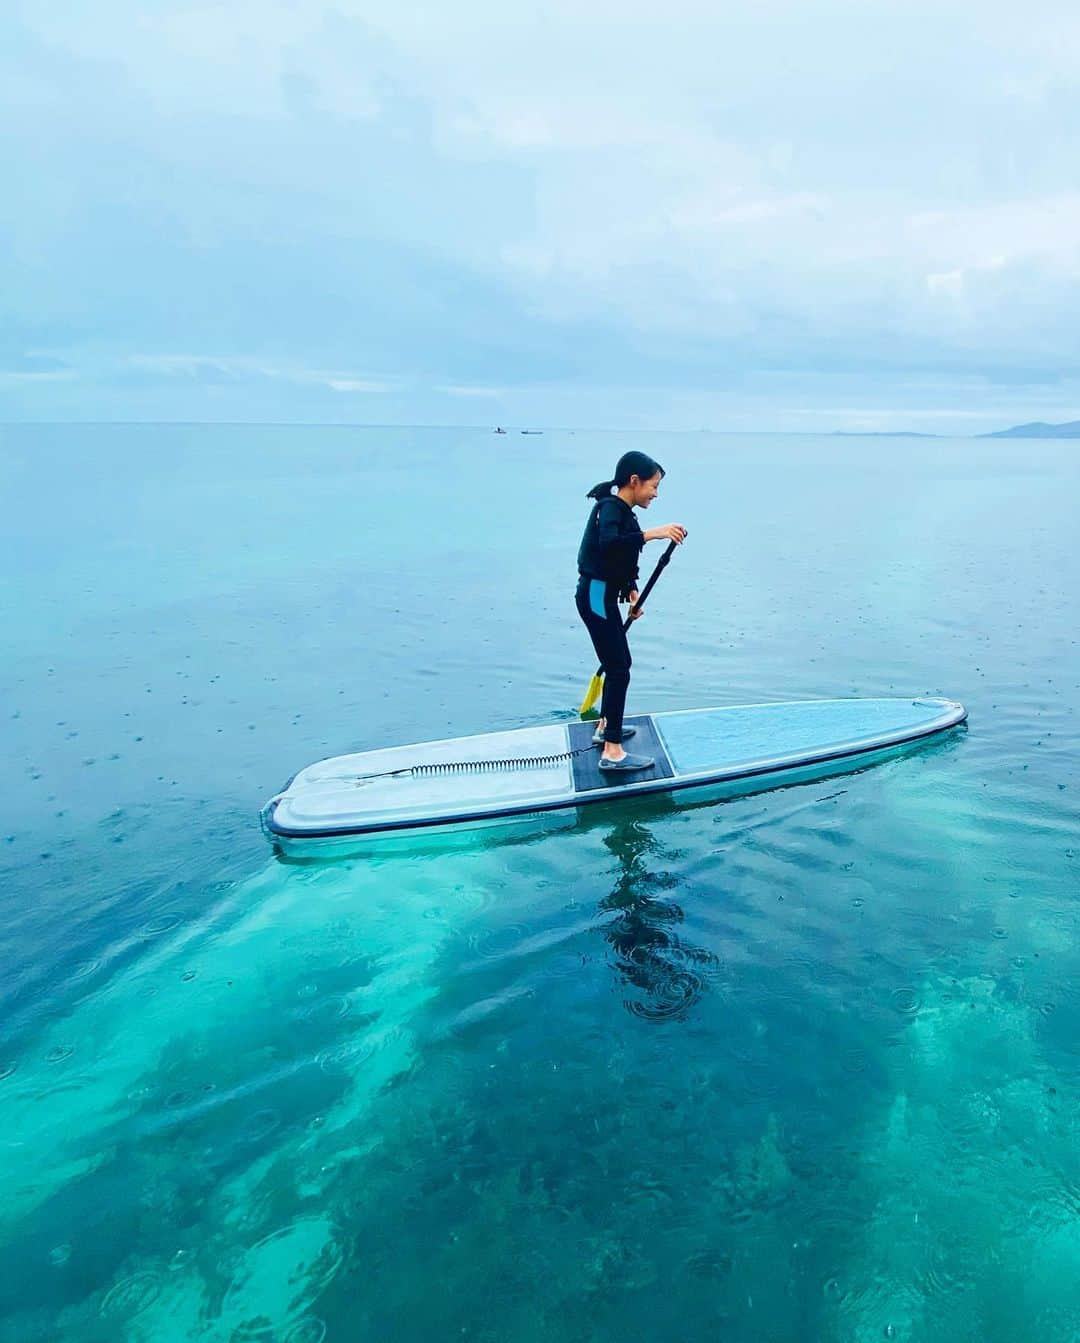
(596, 685)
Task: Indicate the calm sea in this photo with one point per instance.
(798, 1066)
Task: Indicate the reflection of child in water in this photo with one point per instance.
(648, 954)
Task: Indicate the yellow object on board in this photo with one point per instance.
(595, 690)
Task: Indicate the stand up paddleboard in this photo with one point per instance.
(506, 776)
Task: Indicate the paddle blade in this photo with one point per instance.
(595, 690)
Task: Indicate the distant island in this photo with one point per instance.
(1039, 430)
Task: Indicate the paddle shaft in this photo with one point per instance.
(661, 565)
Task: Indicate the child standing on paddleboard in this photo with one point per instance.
(608, 568)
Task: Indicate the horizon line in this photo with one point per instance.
(489, 428)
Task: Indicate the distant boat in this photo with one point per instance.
(532, 431)
(500, 430)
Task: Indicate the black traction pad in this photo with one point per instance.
(588, 776)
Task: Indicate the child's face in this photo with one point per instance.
(645, 491)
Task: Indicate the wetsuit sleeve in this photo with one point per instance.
(620, 540)
(608, 524)
(634, 544)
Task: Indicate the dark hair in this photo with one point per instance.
(638, 464)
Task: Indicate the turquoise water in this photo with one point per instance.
(799, 1065)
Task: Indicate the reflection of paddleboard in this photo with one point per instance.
(500, 776)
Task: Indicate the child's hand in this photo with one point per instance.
(673, 531)
(635, 615)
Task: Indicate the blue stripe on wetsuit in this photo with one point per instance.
(597, 596)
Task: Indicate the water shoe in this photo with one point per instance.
(628, 762)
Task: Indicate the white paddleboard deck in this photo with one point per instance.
(499, 775)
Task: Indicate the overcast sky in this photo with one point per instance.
(776, 214)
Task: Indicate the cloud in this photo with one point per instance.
(30, 364)
(196, 368)
(15, 377)
(355, 385)
(948, 283)
(236, 369)
(374, 199)
(485, 393)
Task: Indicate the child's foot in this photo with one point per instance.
(626, 762)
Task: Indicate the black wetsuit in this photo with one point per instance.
(608, 565)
